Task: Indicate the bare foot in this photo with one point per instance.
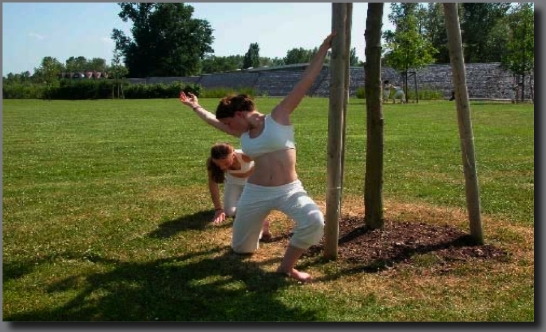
(300, 276)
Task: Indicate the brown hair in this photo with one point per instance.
(233, 103)
(218, 151)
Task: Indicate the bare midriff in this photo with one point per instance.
(275, 168)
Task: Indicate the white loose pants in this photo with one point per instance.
(233, 188)
(399, 94)
(257, 202)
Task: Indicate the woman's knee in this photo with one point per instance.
(230, 211)
(309, 233)
(316, 227)
(244, 247)
(245, 235)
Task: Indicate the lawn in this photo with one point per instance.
(106, 216)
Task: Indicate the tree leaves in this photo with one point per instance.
(166, 40)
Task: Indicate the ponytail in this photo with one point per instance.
(216, 174)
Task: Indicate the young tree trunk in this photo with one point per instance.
(463, 117)
(373, 182)
(347, 83)
(336, 119)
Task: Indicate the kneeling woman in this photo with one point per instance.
(231, 167)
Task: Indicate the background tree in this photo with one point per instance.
(218, 64)
(271, 62)
(406, 47)
(49, 72)
(118, 71)
(166, 40)
(297, 55)
(477, 22)
(252, 57)
(435, 31)
(353, 59)
(498, 41)
(23, 77)
(76, 64)
(97, 64)
(520, 55)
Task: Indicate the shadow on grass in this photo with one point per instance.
(196, 221)
(18, 269)
(211, 286)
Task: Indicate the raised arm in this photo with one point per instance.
(282, 111)
(191, 101)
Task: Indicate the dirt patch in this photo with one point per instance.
(399, 243)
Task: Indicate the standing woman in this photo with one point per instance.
(398, 94)
(269, 140)
(386, 90)
(232, 168)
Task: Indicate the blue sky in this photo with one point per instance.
(31, 31)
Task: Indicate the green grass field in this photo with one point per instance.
(106, 211)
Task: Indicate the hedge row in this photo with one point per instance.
(96, 89)
(105, 89)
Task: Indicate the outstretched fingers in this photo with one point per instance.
(187, 98)
(328, 40)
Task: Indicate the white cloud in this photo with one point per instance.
(37, 36)
(107, 40)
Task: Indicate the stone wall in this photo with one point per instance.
(484, 80)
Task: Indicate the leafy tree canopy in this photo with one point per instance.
(520, 55)
(49, 70)
(166, 40)
(252, 56)
(477, 22)
(298, 55)
(407, 46)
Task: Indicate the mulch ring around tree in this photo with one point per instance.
(399, 243)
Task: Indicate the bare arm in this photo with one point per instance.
(191, 100)
(246, 158)
(282, 111)
(219, 214)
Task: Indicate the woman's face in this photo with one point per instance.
(224, 163)
(237, 123)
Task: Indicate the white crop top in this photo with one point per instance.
(245, 166)
(274, 137)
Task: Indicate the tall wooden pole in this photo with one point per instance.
(348, 25)
(337, 107)
(373, 182)
(463, 116)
